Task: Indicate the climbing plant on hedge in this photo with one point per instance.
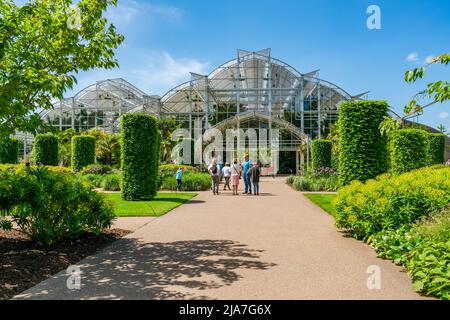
(9, 151)
(45, 149)
(139, 156)
(409, 150)
(362, 148)
(83, 151)
(436, 153)
(321, 153)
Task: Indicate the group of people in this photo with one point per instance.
(233, 173)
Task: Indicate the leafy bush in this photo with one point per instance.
(111, 182)
(9, 151)
(409, 150)
(22, 168)
(312, 182)
(51, 206)
(436, 148)
(192, 181)
(362, 148)
(96, 169)
(321, 153)
(83, 151)
(139, 156)
(93, 180)
(390, 203)
(167, 171)
(45, 149)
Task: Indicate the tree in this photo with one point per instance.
(166, 128)
(108, 150)
(41, 51)
(442, 129)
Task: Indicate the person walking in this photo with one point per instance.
(245, 167)
(235, 170)
(214, 172)
(179, 177)
(226, 172)
(255, 173)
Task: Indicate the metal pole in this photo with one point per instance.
(319, 115)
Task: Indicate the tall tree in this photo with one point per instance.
(43, 45)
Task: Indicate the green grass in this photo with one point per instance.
(322, 200)
(160, 205)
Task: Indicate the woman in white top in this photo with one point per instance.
(235, 176)
(226, 172)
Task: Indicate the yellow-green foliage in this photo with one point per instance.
(21, 168)
(387, 203)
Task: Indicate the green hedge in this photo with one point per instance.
(83, 151)
(362, 148)
(192, 181)
(321, 153)
(9, 151)
(436, 148)
(139, 156)
(409, 150)
(45, 149)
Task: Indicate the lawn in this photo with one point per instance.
(161, 204)
(322, 200)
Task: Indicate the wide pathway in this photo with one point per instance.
(275, 246)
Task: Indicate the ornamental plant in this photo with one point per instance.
(409, 150)
(9, 151)
(45, 149)
(436, 153)
(362, 148)
(321, 153)
(139, 156)
(83, 151)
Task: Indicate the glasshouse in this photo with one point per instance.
(254, 90)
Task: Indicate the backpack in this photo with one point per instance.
(214, 170)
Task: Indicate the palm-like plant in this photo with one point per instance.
(108, 149)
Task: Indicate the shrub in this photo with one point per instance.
(388, 204)
(362, 148)
(167, 171)
(9, 151)
(139, 156)
(22, 168)
(192, 181)
(50, 206)
(409, 150)
(111, 182)
(321, 153)
(290, 180)
(45, 149)
(314, 182)
(92, 179)
(83, 151)
(436, 148)
(96, 169)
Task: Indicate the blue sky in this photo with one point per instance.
(165, 40)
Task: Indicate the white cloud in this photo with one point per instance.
(443, 115)
(412, 57)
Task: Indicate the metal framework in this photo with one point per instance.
(254, 90)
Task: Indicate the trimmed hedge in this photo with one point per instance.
(409, 150)
(45, 149)
(362, 148)
(83, 151)
(436, 148)
(9, 151)
(321, 154)
(140, 143)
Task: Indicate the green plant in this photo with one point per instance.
(192, 181)
(362, 148)
(409, 150)
(321, 153)
(83, 151)
(9, 151)
(139, 156)
(92, 179)
(45, 149)
(111, 182)
(108, 150)
(436, 148)
(388, 203)
(51, 206)
(96, 169)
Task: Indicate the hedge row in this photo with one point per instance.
(45, 149)
(139, 156)
(321, 153)
(362, 148)
(83, 151)
(9, 151)
(437, 148)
